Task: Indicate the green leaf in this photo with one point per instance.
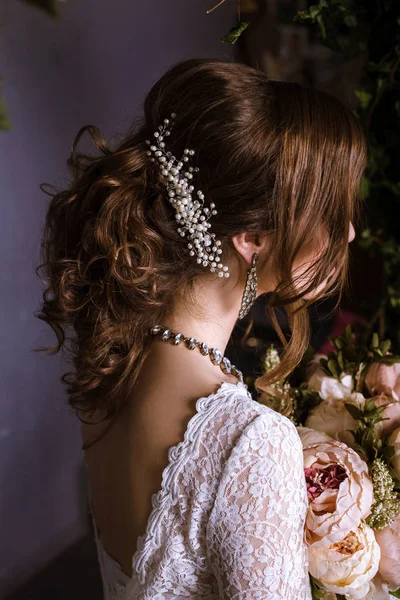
(380, 82)
(369, 438)
(353, 433)
(5, 122)
(388, 452)
(389, 360)
(332, 365)
(314, 11)
(364, 98)
(365, 187)
(355, 412)
(348, 334)
(375, 341)
(360, 449)
(395, 594)
(321, 24)
(233, 35)
(317, 589)
(51, 7)
(338, 343)
(385, 346)
(350, 20)
(301, 16)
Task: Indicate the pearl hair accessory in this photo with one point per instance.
(191, 215)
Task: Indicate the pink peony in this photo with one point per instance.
(339, 489)
(388, 539)
(391, 412)
(394, 440)
(381, 378)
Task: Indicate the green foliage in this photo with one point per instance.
(5, 122)
(328, 16)
(305, 401)
(233, 35)
(386, 504)
(51, 7)
(317, 589)
(372, 29)
(395, 594)
(367, 442)
(353, 357)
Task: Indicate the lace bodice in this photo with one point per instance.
(228, 521)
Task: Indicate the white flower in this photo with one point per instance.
(328, 387)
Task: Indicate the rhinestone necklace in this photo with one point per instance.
(215, 355)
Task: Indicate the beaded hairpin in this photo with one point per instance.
(191, 215)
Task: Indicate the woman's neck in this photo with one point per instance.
(211, 315)
(210, 318)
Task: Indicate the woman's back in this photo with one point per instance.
(230, 186)
(133, 454)
(231, 488)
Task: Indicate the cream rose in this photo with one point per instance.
(381, 378)
(391, 412)
(348, 566)
(339, 490)
(332, 417)
(388, 539)
(310, 436)
(394, 440)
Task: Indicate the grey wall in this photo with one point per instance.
(93, 66)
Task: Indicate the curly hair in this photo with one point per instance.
(273, 156)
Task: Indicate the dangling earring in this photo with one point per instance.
(250, 290)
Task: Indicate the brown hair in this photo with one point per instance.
(272, 155)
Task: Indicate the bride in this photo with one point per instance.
(231, 185)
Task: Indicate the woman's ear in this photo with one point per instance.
(247, 243)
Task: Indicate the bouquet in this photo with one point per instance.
(347, 413)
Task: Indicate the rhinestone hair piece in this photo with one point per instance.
(191, 215)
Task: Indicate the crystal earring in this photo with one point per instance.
(250, 290)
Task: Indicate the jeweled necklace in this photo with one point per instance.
(167, 335)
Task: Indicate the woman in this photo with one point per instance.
(231, 186)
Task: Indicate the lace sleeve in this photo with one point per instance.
(255, 534)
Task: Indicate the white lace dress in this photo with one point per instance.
(228, 521)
